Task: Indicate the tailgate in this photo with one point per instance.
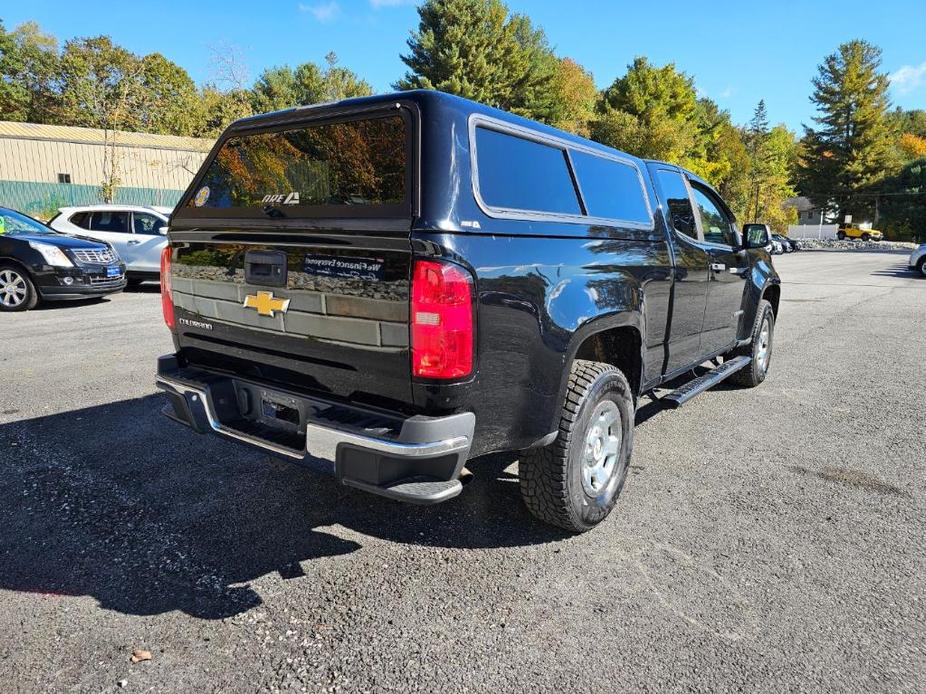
(291, 252)
(325, 318)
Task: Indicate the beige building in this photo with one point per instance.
(47, 166)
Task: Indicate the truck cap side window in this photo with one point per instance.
(675, 191)
(519, 174)
(611, 188)
(342, 168)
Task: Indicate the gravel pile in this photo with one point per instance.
(847, 245)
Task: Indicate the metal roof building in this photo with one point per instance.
(43, 167)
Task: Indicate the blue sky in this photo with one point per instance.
(737, 52)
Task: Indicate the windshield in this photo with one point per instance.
(13, 223)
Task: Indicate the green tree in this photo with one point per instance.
(721, 156)
(650, 112)
(218, 108)
(757, 136)
(853, 144)
(576, 95)
(169, 101)
(778, 161)
(476, 49)
(101, 87)
(902, 202)
(28, 66)
(282, 87)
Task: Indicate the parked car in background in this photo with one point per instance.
(854, 231)
(136, 232)
(787, 244)
(918, 260)
(38, 263)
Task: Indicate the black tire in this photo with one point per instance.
(755, 373)
(840, 235)
(921, 266)
(866, 237)
(557, 484)
(15, 276)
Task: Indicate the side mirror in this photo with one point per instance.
(162, 230)
(756, 236)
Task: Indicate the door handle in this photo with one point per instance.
(133, 242)
(718, 267)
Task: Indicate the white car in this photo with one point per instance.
(918, 260)
(137, 232)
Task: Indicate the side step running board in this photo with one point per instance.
(680, 396)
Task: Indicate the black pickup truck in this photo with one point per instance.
(391, 286)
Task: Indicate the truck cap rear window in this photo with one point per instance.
(350, 168)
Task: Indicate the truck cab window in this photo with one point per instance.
(681, 216)
(717, 226)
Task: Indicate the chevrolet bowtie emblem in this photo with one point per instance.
(265, 303)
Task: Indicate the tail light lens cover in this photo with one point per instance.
(167, 300)
(442, 331)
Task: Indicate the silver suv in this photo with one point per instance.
(918, 260)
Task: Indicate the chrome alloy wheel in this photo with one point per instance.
(12, 288)
(764, 351)
(602, 448)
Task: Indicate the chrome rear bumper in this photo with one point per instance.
(416, 459)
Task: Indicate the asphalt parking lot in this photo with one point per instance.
(767, 540)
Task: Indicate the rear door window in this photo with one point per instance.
(515, 173)
(611, 189)
(681, 214)
(355, 167)
(109, 220)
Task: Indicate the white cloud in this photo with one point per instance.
(727, 93)
(909, 78)
(323, 12)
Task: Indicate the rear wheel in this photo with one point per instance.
(841, 236)
(759, 348)
(17, 293)
(866, 237)
(574, 482)
(921, 266)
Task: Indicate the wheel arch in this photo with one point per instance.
(615, 339)
(772, 294)
(7, 260)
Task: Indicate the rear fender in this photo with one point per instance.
(589, 313)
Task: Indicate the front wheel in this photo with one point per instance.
(921, 266)
(574, 482)
(17, 293)
(866, 237)
(759, 348)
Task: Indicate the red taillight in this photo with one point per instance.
(167, 301)
(442, 320)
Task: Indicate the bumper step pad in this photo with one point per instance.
(415, 490)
